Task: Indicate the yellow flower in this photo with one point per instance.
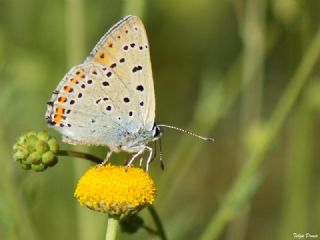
(114, 190)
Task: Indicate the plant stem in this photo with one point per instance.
(75, 37)
(252, 30)
(112, 227)
(158, 223)
(252, 33)
(150, 230)
(75, 53)
(136, 7)
(298, 172)
(86, 156)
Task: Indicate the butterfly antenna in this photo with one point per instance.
(187, 132)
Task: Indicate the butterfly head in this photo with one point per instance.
(156, 132)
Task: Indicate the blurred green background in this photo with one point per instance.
(245, 72)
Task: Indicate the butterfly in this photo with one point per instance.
(109, 99)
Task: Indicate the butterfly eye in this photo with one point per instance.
(157, 131)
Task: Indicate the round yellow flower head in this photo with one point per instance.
(113, 190)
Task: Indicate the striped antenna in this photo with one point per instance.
(185, 131)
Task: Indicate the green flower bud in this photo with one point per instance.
(53, 145)
(25, 166)
(27, 160)
(29, 133)
(38, 167)
(48, 157)
(36, 151)
(20, 153)
(31, 140)
(43, 135)
(21, 140)
(53, 162)
(34, 157)
(41, 146)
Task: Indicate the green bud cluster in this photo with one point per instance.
(36, 151)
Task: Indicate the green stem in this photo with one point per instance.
(86, 156)
(112, 227)
(136, 7)
(253, 62)
(75, 14)
(157, 221)
(298, 172)
(150, 230)
(235, 198)
(253, 31)
(75, 37)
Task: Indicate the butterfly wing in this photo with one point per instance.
(111, 95)
(85, 109)
(125, 49)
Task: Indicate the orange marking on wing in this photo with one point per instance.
(62, 99)
(57, 119)
(68, 88)
(74, 80)
(60, 110)
(102, 57)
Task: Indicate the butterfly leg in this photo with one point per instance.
(161, 158)
(109, 153)
(155, 152)
(149, 158)
(134, 157)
